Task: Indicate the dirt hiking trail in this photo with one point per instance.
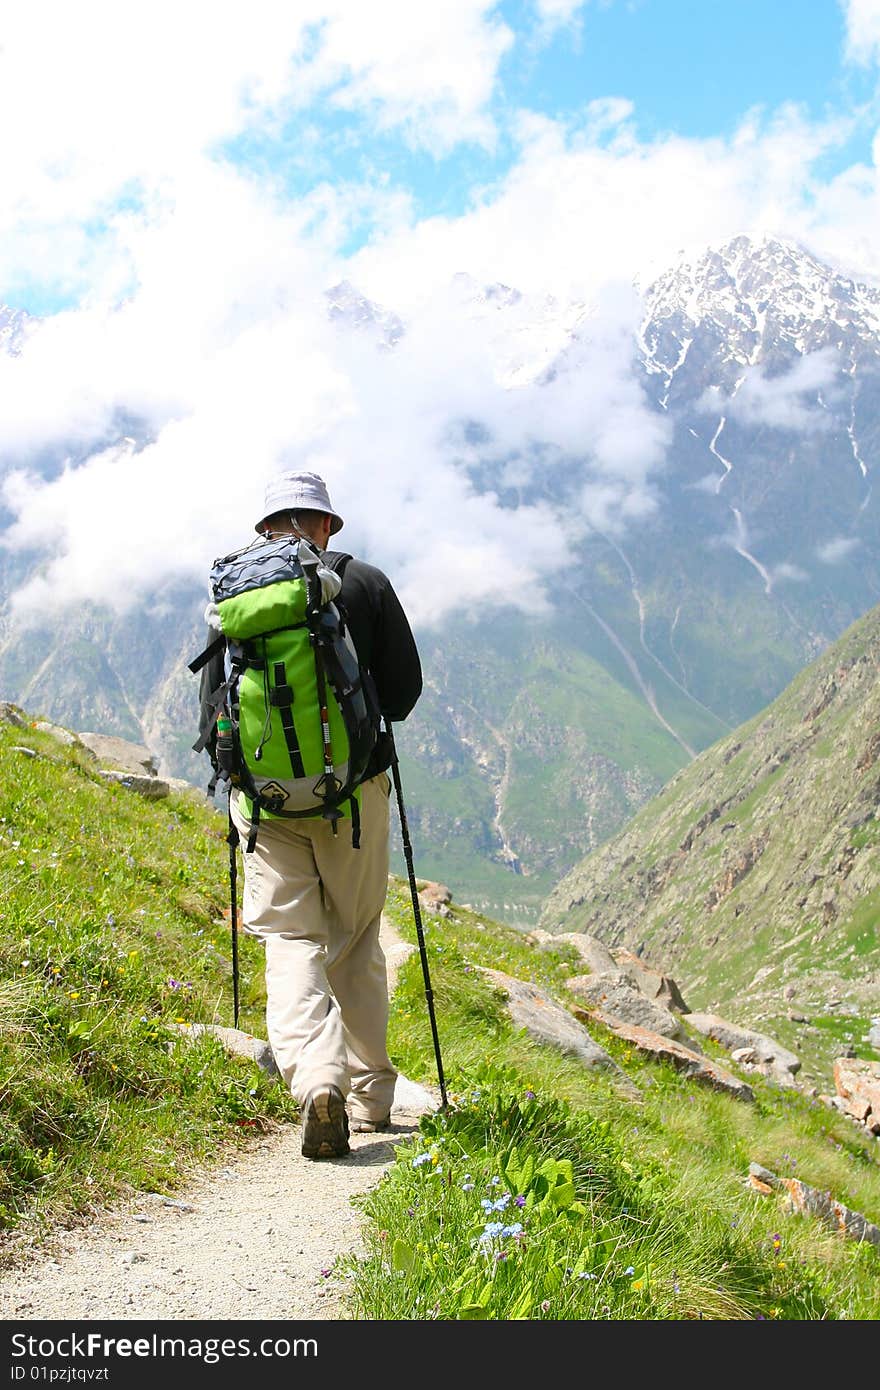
(254, 1238)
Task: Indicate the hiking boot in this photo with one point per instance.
(362, 1126)
(325, 1124)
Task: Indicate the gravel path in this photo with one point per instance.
(247, 1240)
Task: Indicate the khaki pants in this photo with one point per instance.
(317, 904)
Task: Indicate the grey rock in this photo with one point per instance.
(682, 1057)
(768, 1056)
(236, 1042)
(614, 993)
(810, 1200)
(11, 714)
(531, 1008)
(653, 983)
(120, 754)
(593, 952)
(153, 788)
(62, 735)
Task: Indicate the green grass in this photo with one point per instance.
(114, 928)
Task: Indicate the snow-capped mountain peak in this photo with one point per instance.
(749, 294)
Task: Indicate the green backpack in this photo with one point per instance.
(296, 717)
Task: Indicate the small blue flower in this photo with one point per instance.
(515, 1230)
(420, 1159)
(629, 1270)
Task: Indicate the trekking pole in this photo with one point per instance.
(408, 855)
(232, 841)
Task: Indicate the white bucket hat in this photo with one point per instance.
(298, 492)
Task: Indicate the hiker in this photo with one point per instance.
(313, 893)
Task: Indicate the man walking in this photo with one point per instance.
(315, 899)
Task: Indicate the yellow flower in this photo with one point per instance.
(73, 994)
(638, 1283)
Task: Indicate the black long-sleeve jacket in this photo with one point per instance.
(383, 640)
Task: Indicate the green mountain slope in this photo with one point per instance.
(756, 871)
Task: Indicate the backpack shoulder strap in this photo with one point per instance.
(336, 561)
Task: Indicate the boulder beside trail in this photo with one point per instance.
(534, 1010)
(752, 1050)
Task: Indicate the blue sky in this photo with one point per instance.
(309, 108)
(187, 181)
(692, 68)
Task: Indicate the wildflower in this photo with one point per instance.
(515, 1230)
(493, 1182)
(520, 1200)
(420, 1159)
(587, 1274)
(545, 1305)
(638, 1284)
(467, 1185)
(325, 1273)
(630, 1269)
(501, 1254)
(776, 1240)
(530, 1095)
(491, 1230)
(73, 994)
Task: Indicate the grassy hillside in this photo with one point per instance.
(115, 930)
(756, 871)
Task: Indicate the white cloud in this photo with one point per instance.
(835, 551)
(233, 396)
(428, 69)
(589, 202)
(786, 570)
(786, 401)
(113, 105)
(862, 30)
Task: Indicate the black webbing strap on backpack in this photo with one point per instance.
(282, 699)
